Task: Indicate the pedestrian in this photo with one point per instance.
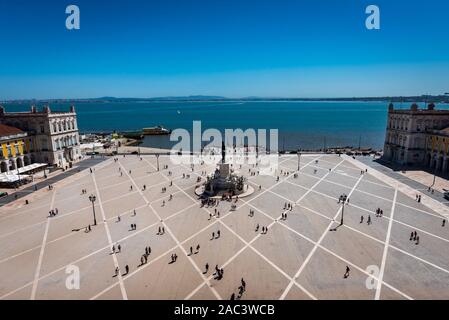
(361, 219)
(444, 223)
(116, 271)
(347, 272)
(126, 269)
(191, 251)
(197, 249)
(119, 248)
(207, 268)
(368, 221)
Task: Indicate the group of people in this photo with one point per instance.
(218, 274)
(174, 257)
(114, 250)
(83, 191)
(285, 173)
(379, 212)
(414, 237)
(216, 214)
(117, 270)
(264, 229)
(144, 257)
(196, 252)
(160, 231)
(418, 198)
(343, 198)
(368, 221)
(53, 212)
(209, 202)
(288, 206)
(241, 288)
(216, 235)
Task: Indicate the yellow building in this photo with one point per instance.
(15, 148)
(437, 150)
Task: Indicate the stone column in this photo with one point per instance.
(444, 169)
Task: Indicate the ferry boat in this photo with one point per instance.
(156, 131)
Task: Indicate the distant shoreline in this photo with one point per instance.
(402, 99)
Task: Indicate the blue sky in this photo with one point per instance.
(233, 48)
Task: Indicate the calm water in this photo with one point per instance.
(306, 125)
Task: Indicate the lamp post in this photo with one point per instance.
(92, 199)
(157, 160)
(299, 159)
(342, 211)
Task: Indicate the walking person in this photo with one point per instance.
(347, 272)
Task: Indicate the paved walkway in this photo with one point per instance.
(77, 167)
(302, 255)
(374, 163)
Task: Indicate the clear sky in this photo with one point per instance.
(232, 48)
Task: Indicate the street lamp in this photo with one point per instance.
(157, 160)
(92, 199)
(299, 159)
(342, 211)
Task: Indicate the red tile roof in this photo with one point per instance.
(8, 131)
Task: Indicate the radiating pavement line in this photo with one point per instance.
(41, 253)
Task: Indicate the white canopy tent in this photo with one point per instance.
(11, 177)
(29, 168)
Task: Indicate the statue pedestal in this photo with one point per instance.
(223, 168)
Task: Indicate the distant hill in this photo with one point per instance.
(409, 99)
